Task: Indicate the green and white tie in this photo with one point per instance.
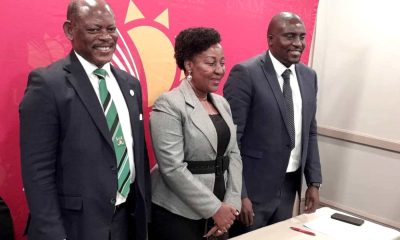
(118, 140)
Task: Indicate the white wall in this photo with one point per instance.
(357, 57)
(361, 179)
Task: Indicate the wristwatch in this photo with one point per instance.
(314, 184)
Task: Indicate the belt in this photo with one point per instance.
(217, 166)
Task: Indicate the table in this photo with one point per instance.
(324, 227)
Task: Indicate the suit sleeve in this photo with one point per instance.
(312, 170)
(148, 183)
(147, 176)
(39, 139)
(168, 144)
(146, 170)
(238, 91)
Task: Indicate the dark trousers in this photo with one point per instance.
(166, 225)
(123, 222)
(278, 208)
(6, 225)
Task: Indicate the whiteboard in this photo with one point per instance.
(356, 54)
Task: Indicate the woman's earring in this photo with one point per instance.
(189, 76)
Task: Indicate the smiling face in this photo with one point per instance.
(92, 32)
(207, 69)
(286, 38)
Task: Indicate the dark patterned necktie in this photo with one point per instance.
(118, 140)
(287, 94)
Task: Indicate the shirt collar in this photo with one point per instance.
(279, 67)
(90, 67)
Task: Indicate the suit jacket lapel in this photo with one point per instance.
(81, 83)
(303, 94)
(132, 102)
(131, 99)
(199, 115)
(270, 74)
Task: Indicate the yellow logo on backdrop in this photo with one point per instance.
(154, 49)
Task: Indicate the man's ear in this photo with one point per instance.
(67, 26)
(269, 38)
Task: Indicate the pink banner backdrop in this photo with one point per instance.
(32, 37)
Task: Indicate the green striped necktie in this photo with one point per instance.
(118, 140)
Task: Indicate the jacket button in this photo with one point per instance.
(114, 168)
(112, 201)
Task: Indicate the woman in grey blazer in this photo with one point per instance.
(197, 184)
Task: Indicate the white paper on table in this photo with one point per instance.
(343, 231)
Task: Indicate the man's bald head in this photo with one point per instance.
(78, 7)
(286, 33)
(90, 26)
(281, 19)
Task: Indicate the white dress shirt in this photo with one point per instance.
(295, 155)
(122, 109)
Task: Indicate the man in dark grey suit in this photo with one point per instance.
(273, 101)
(84, 160)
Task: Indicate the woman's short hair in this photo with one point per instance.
(193, 41)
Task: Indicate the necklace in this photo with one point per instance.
(197, 93)
(204, 99)
(209, 107)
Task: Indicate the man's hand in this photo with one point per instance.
(247, 214)
(312, 199)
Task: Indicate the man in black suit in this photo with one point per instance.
(81, 130)
(6, 224)
(274, 109)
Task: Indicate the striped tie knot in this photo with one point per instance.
(100, 73)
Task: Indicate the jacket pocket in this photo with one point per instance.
(70, 202)
(252, 153)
